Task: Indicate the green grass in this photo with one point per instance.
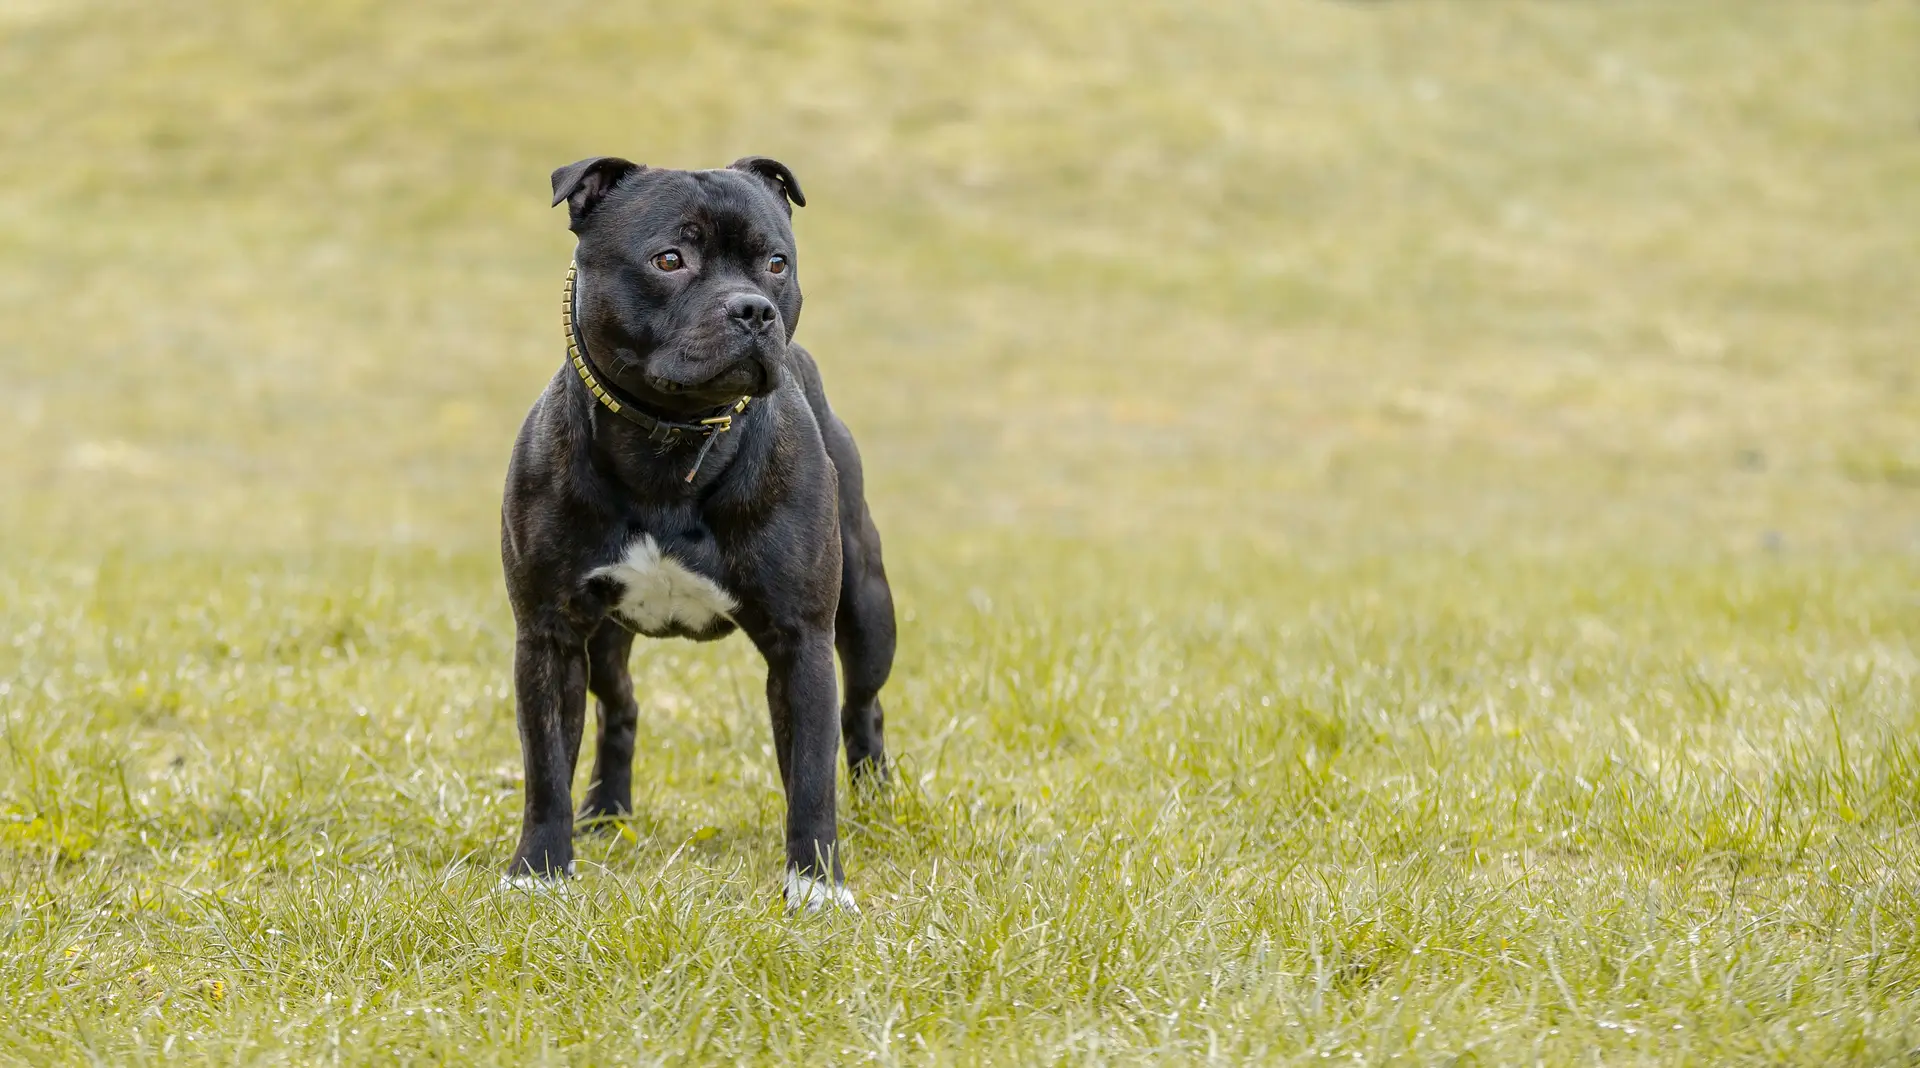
(1404, 518)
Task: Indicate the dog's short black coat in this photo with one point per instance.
(688, 294)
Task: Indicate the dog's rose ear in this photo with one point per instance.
(774, 173)
(583, 184)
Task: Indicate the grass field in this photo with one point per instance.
(1406, 521)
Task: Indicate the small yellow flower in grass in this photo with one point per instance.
(217, 990)
(72, 952)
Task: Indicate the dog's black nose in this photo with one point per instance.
(753, 311)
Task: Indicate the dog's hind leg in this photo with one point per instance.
(610, 793)
(863, 628)
(863, 631)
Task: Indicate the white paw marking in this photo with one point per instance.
(658, 591)
(527, 882)
(814, 894)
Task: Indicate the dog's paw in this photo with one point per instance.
(812, 894)
(526, 882)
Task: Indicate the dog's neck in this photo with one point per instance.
(658, 430)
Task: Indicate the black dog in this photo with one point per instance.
(682, 476)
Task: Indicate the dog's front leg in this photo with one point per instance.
(550, 683)
(806, 731)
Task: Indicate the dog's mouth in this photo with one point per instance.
(746, 380)
(680, 376)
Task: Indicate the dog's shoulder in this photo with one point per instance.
(553, 437)
(806, 374)
(550, 456)
(843, 456)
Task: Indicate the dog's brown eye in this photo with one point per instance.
(776, 264)
(669, 261)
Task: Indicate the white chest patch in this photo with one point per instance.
(659, 594)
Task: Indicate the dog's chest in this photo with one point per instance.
(660, 596)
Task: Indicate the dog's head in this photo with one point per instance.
(688, 287)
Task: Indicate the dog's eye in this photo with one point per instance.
(669, 261)
(776, 264)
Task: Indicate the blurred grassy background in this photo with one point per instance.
(1387, 275)
(1390, 503)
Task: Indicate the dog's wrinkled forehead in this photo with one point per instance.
(719, 208)
(614, 200)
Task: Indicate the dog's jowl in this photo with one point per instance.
(683, 477)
